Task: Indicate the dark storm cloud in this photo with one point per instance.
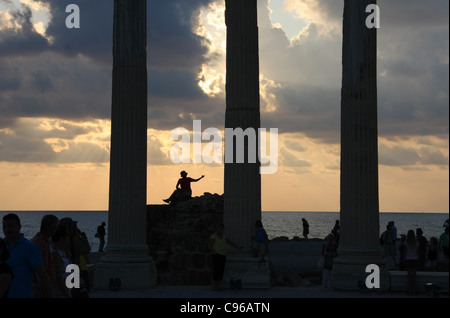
(23, 41)
(168, 30)
(414, 13)
(71, 77)
(408, 156)
(9, 79)
(42, 81)
(174, 84)
(54, 86)
(172, 45)
(314, 111)
(412, 66)
(28, 144)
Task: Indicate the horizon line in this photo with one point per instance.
(270, 211)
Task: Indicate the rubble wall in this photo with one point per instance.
(178, 237)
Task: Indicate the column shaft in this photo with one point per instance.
(242, 181)
(359, 242)
(126, 255)
(128, 165)
(359, 134)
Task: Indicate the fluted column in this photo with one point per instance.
(359, 215)
(127, 251)
(242, 181)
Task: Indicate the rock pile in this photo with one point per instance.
(204, 203)
(178, 235)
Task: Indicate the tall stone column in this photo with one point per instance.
(126, 255)
(359, 215)
(242, 181)
(242, 202)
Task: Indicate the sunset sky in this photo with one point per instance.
(55, 101)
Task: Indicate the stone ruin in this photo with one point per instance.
(178, 235)
(204, 203)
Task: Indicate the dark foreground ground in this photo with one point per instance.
(294, 275)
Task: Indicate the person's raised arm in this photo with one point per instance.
(195, 180)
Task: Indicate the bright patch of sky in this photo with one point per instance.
(40, 12)
(285, 19)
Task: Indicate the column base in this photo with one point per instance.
(135, 270)
(349, 270)
(249, 270)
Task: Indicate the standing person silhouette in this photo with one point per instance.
(101, 232)
(218, 246)
(49, 224)
(261, 242)
(305, 228)
(6, 272)
(61, 261)
(336, 231)
(25, 259)
(412, 261)
(183, 191)
(422, 248)
(329, 252)
(443, 243)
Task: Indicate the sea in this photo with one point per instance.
(276, 223)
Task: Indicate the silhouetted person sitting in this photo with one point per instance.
(183, 190)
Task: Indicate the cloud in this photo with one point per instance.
(412, 66)
(51, 85)
(53, 141)
(432, 157)
(66, 73)
(397, 156)
(157, 152)
(410, 152)
(295, 145)
(317, 10)
(10, 80)
(20, 38)
(414, 13)
(288, 159)
(79, 61)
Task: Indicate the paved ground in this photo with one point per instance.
(286, 257)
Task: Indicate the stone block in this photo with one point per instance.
(192, 278)
(133, 276)
(252, 273)
(198, 261)
(399, 281)
(204, 278)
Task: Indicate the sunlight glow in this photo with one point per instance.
(268, 97)
(210, 26)
(7, 21)
(211, 81)
(40, 15)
